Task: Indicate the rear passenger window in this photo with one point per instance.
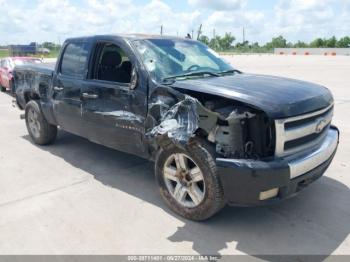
(74, 60)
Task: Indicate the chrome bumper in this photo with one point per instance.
(303, 163)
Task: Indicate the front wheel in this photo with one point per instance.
(41, 132)
(188, 181)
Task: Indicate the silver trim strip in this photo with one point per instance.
(307, 162)
(280, 138)
(310, 145)
(306, 129)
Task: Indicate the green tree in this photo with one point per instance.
(255, 45)
(332, 42)
(215, 43)
(301, 44)
(277, 42)
(227, 41)
(51, 46)
(290, 45)
(343, 42)
(204, 39)
(317, 43)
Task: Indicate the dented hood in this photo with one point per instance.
(277, 97)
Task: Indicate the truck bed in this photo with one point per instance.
(34, 78)
(45, 68)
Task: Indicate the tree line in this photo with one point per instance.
(227, 43)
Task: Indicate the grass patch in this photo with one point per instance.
(53, 54)
(4, 52)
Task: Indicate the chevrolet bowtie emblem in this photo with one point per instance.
(321, 123)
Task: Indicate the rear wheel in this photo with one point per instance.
(41, 132)
(12, 87)
(188, 181)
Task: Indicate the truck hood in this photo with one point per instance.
(277, 97)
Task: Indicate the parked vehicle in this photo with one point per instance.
(24, 50)
(44, 51)
(6, 70)
(217, 136)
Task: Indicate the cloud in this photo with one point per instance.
(56, 20)
(157, 13)
(308, 19)
(59, 19)
(218, 4)
(234, 21)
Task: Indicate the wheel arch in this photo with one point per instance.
(30, 95)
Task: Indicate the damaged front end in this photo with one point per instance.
(235, 130)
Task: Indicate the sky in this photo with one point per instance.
(24, 21)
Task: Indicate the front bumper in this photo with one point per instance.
(244, 180)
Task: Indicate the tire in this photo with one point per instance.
(3, 89)
(41, 132)
(211, 196)
(12, 88)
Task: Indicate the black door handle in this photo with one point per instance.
(89, 96)
(58, 89)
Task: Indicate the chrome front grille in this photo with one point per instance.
(299, 133)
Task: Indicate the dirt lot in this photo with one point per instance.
(75, 197)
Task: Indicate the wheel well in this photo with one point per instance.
(31, 96)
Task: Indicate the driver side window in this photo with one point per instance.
(111, 64)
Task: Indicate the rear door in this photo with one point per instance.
(67, 85)
(113, 112)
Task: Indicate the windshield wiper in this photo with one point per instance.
(199, 73)
(231, 71)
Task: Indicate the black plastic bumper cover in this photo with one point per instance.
(243, 180)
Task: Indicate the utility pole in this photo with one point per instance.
(192, 33)
(214, 33)
(59, 44)
(161, 30)
(199, 32)
(243, 35)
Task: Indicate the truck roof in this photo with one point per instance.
(125, 36)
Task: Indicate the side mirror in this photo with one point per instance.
(134, 79)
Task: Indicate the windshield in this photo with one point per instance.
(168, 58)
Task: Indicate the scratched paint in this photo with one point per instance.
(122, 115)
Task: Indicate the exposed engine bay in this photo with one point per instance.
(236, 130)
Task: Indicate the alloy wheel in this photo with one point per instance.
(184, 180)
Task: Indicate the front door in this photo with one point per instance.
(114, 114)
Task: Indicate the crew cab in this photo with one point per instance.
(217, 135)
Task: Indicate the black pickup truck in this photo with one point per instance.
(217, 136)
